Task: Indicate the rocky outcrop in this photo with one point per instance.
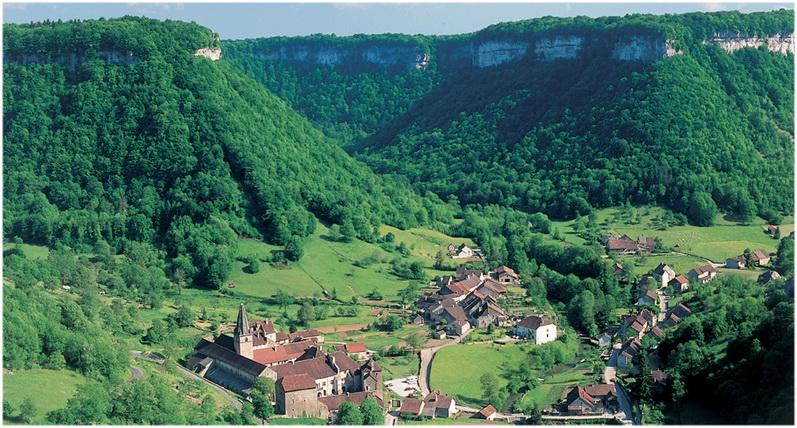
(560, 47)
(642, 48)
(213, 54)
(387, 55)
(492, 53)
(782, 43)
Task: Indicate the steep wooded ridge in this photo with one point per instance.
(561, 115)
(115, 130)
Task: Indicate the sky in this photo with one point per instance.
(249, 20)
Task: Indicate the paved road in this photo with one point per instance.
(609, 375)
(427, 355)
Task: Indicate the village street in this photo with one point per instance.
(609, 376)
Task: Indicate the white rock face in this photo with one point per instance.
(489, 54)
(642, 48)
(407, 56)
(732, 42)
(560, 47)
(213, 54)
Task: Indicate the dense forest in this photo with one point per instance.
(159, 147)
(697, 132)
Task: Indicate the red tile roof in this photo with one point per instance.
(333, 402)
(282, 353)
(316, 368)
(297, 382)
(506, 270)
(437, 400)
(355, 347)
(411, 406)
(487, 411)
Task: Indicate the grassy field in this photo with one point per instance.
(426, 243)
(329, 264)
(48, 389)
(450, 364)
(549, 391)
(398, 367)
(457, 420)
(680, 263)
(722, 240)
(31, 251)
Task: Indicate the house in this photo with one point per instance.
(418, 320)
(505, 275)
(357, 349)
(702, 274)
(646, 243)
(463, 272)
(649, 317)
(650, 297)
(461, 251)
(411, 408)
(635, 325)
(296, 396)
(535, 328)
(591, 400)
(657, 333)
(487, 412)
(623, 245)
(663, 273)
(681, 310)
(438, 405)
(456, 320)
(628, 352)
(679, 283)
(439, 333)
(659, 380)
(768, 276)
(738, 262)
(759, 258)
(772, 229)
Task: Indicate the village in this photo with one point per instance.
(314, 377)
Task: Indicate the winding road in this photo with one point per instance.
(425, 371)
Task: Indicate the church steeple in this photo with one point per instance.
(243, 335)
(242, 327)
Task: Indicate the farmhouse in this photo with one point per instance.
(738, 262)
(663, 273)
(301, 370)
(487, 412)
(505, 275)
(591, 400)
(650, 297)
(629, 352)
(772, 229)
(679, 283)
(536, 329)
(759, 258)
(461, 251)
(356, 349)
(434, 405)
(702, 274)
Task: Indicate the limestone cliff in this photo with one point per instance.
(213, 54)
(383, 55)
(782, 43)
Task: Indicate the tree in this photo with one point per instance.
(415, 340)
(184, 316)
(492, 392)
(306, 314)
(261, 404)
(294, 249)
(349, 414)
(784, 261)
(157, 333)
(376, 294)
(27, 410)
(371, 412)
(702, 209)
(283, 299)
(253, 266)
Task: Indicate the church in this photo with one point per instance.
(309, 381)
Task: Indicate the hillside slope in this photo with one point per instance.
(115, 131)
(564, 114)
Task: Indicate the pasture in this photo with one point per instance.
(48, 389)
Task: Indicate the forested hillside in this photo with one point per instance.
(697, 129)
(115, 132)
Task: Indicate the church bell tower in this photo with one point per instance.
(243, 335)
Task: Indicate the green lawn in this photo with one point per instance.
(425, 242)
(456, 369)
(549, 392)
(49, 389)
(398, 367)
(680, 263)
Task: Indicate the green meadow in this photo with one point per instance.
(473, 360)
(722, 240)
(48, 390)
